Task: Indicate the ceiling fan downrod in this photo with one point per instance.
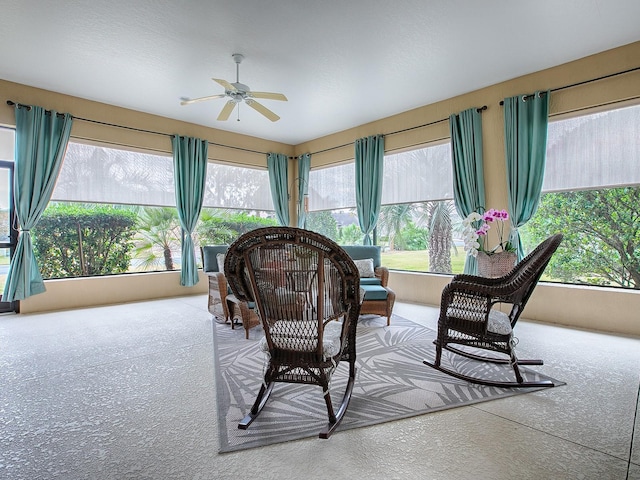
(238, 57)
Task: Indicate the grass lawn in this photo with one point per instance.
(418, 260)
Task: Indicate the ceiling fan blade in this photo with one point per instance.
(226, 110)
(189, 101)
(258, 107)
(225, 84)
(268, 95)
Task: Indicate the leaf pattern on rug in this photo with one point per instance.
(391, 383)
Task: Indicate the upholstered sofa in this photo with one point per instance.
(222, 303)
(225, 307)
(378, 297)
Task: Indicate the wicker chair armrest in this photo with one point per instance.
(383, 274)
(499, 292)
(218, 281)
(218, 290)
(468, 288)
(465, 277)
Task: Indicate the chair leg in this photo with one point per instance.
(491, 359)
(438, 353)
(513, 360)
(263, 396)
(331, 426)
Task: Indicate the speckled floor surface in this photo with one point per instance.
(127, 392)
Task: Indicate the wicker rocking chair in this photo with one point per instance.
(306, 289)
(468, 318)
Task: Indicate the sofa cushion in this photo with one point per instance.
(209, 257)
(365, 267)
(220, 261)
(374, 292)
(359, 252)
(370, 281)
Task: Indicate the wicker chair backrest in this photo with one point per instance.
(526, 274)
(299, 280)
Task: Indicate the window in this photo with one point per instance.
(332, 204)
(113, 211)
(417, 220)
(7, 233)
(591, 193)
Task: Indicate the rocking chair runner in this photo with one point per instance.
(468, 318)
(307, 292)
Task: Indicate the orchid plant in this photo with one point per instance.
(476, 227)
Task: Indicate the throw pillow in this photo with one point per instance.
(220, 258)
(365, 267)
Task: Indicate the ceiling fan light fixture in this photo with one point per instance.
(239, 92)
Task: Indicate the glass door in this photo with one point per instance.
(8, 234)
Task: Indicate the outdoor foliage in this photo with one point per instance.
(219, 227)
(393, 221)
(324, 224)
(76, 240)
(159, 234)
(441, 235)
(350, 235)
(601, 230)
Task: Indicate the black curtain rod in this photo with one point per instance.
(28, 107)
(12, 103)
(480, 110)
(577, 84)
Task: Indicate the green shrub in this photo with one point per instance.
(77, 240)
(218, 227)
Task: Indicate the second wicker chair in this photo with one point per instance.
(469, 316)
(306, 290)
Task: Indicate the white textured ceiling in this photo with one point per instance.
(341, 63)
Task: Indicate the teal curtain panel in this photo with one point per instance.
(278, 166)
(468, 168)
(304, 165)
(525, 134)
(369, 164)
(41, 141)
(189, 171)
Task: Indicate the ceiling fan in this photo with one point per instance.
(239, 92)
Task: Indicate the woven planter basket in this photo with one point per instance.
(495, 265)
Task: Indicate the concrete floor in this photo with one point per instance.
(127, 392)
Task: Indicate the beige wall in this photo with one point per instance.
(82, 292)
(595, 308)
(613, 310)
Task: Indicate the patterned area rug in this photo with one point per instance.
(391, 383)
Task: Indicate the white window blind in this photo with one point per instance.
(414, 176)
(237, 187)
(332, 188)
(596, 150)
(107, 175)
(418, 175)
(7, 143)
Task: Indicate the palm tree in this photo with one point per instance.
(438, 216)
(393, 219)
(158, 231)
(213, 227)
